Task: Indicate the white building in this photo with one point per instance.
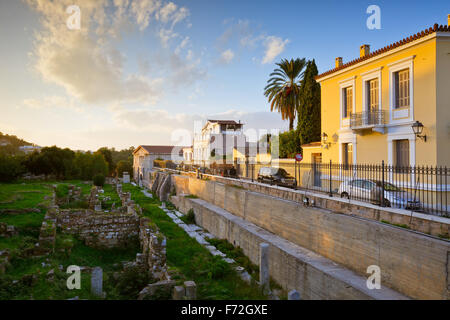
(216, 141)
(30, 149)
(144, 156)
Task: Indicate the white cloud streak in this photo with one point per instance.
(273, 47)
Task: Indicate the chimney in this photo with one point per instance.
(364, 50)
(338, 62)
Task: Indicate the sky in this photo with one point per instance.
(144, 72)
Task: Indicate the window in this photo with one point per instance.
(373, 99)
(401, 79)
(348, 102)
(347, 151)
(402, 153)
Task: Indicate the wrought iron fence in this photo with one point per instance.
(422, 189)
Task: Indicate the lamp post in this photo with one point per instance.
(418, 129)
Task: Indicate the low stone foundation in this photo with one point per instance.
(7, 231)
(99, 229)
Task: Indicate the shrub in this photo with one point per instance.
(99, 180)
(164, 164)
(189, 218)
(132, 280)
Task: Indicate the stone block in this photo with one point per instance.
(97, 282)
(191, 290)
(179, 293)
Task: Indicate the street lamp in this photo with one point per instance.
(324, 140)
(418, 129)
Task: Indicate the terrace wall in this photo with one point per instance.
(411, 263)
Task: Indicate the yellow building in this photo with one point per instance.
(369, 105)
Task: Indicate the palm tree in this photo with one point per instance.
(283, 88)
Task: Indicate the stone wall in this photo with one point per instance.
(433, 225)
(99, 229)
(290, 265)
(153, 245)
(411, 263)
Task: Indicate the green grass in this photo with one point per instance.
(109, 192)
(215, 278)
(24, 195)
(81, 255)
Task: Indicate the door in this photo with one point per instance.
(316, 162)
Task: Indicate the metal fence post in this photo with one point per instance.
(382, 185)
(329, 178)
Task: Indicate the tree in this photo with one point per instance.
(51, 160)
(283, 88)
(10, 168)
(289, 144)
(308, 122)
(107, 155)
(124, 166)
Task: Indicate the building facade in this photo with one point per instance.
(370, 105)
(216, 141)
(144, 156)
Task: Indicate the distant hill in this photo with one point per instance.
(10, 144)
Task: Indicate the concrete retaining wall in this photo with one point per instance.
(433, 225)
(411, 263)
(290, 265)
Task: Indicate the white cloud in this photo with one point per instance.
(166, 11)
(273, 47)
(227, 56)
(86, 63)
(244, 34)
(163, 123)
(143, 10)
(165, 35)
(182, 44)
(52, 102)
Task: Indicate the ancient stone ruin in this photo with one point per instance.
(162, 185)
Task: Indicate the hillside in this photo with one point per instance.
(10, 144)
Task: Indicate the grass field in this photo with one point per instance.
(26, 277)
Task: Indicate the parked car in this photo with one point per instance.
(370, 190)
(276, 176)
(226, 172)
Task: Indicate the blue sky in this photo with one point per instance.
(134, 77)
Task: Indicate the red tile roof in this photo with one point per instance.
(224, 121)
(312, 144)
(157, 149)
(435, 28)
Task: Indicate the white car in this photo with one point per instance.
(370, 190)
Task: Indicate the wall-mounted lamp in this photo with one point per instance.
(325, 144)
(418, 129)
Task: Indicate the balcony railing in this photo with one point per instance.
(367, 119)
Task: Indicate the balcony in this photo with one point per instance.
(374, 120)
